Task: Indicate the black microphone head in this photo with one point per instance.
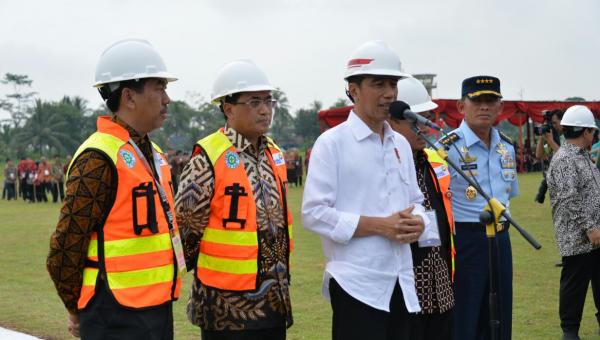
(397, 109)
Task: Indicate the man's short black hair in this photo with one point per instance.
(557, 112)
(572, 132)
(230, 99)
(354, 80)
(113, 98)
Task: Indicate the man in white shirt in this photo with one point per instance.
(363, 198)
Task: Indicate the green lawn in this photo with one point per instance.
(28, 301)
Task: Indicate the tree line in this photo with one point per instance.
(37, 127)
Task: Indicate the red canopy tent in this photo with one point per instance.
(515, 112)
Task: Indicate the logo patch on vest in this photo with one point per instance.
(128, 158)
(441, 171)
(278, 159)
(232, 160)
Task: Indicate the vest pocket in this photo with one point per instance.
(144, 210)
(235, 207)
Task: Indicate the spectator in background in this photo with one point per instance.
(307, 158)
(10, 178)
(43, 179)
(67, 164)
(290, 163)
(176, 167)
(22, 173)
(58, 178)
(30, 174)
(299, 170)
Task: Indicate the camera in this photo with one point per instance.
(542, 129)
(546, 126)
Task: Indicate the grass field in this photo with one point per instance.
(28, 301)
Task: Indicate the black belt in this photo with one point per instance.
(500, 227)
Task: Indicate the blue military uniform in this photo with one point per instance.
(494, 168)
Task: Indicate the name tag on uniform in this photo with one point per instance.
(431, 234)
(469, 166)
(278, 159)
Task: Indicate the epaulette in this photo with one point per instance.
(505, 138)
(449, 139)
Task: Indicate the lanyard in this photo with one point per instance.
(175, 238)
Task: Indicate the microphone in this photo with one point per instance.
(401, 110)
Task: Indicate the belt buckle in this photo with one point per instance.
(499, 227)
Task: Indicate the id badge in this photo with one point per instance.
(431, 234)
(178, 248)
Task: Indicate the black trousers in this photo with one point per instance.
(57, 190)
(40, 192)
(252, 334)
(22, 185)
(577, 272)
(10, 191)
(354, 320)
(28, 193)
(104, 318)
(431, 326)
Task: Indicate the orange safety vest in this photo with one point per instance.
(442, 174)
(132, 250)
(228, 257)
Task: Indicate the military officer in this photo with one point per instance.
(487, 156)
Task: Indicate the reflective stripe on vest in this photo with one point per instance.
(140, 267)
(228, 257)
(442, 174)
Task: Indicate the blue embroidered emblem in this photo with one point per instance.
(232, 160)
(128, 158)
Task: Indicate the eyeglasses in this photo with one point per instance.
(256, 103)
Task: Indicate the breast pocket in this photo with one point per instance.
(509, 175)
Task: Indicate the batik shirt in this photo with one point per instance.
(269, 305)
(574, 187)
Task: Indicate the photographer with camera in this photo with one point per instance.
(549, 133)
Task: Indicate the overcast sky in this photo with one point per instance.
(540, 50)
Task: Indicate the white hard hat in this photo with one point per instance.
(413, 92)
(130, 59)
(239, 76)
(578, 116)
(374, 58)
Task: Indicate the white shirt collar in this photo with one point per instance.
(361, 130)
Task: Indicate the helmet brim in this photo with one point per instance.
(216, 99)
(427, 106)
(377, 72)
(161, 75)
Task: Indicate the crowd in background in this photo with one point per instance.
(32, 180)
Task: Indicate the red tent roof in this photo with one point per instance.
(516, 112)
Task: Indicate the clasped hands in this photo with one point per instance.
(403, 226)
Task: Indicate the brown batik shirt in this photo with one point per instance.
(91, 189)
(269, 305)
(432, 264)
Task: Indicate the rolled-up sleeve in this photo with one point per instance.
(318, 212)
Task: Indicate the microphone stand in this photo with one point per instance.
(490, 217)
